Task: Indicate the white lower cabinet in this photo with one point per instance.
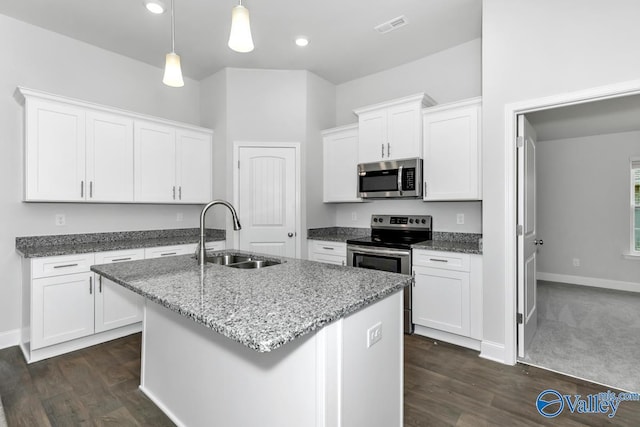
(328, 252)
(67, 307)
(115, 305)
(447, 296)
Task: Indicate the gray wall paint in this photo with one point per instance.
(446, 76)
(583, 206)
(532, 49)
(47, 61)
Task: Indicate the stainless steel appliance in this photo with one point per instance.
(389, 249)
(391, 179)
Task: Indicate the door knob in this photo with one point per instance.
(290, 234)
(538, 242)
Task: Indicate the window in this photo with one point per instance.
(635, 205)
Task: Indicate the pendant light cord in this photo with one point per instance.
(173, 28)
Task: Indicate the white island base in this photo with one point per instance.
(326, 378)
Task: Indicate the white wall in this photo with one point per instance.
(40, 59)
(583, 206)
(532, 49)
(446, 76)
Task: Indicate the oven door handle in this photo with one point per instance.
(363, 250)
(400, 180)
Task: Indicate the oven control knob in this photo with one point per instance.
(380, 219)
(375, 219)
(424, 221)
(411, 221)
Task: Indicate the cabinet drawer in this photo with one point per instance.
(164, 251)
(330, 259)
(329, 248)
(439, 259)
(215, 246)
(60, 265)
(119, 256)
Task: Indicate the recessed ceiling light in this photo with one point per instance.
(302, 41)
(154, 6)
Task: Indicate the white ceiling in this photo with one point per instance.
(343, 44)
(589, 119)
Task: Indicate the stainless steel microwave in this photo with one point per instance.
(390, 179)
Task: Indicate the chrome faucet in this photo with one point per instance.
(201, 252)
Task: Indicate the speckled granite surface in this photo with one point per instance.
(449, 246)
(67, 244)
(337, 234)
(263, 308)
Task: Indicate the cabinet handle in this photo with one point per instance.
(174, 192)
(413, 278)
(425, 189)
(342, 262)
(65, 265)
(90, 285)
(388, 150)
(91, 189)
(382, 145)
(168, 253)
(100, 283)
(438, 260)
(328, 248)
(180, 192)
(121, 259)
(81, 188)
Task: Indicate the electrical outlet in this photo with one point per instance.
(460, 218)
(374, 334)
(179, 217)
(60, 219)
(354, 216)
(576, 262)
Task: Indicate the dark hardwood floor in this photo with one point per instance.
(445, 385)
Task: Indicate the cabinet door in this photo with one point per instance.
(109, 157)
(194, 170)
(452, 154)
(55, 152)
(154, 163)
(115, 305)
(441, 300)
(62, 309)
(404, 134)
(372, 128)
(165, 251)
(340, 164)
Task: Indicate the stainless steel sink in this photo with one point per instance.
(254, 264)
(227, 259)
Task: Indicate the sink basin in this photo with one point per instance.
(227, 259)
(254, 264)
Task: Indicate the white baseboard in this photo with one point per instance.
(471, 343)
(9, 338)
(590, 281)
(493, 351)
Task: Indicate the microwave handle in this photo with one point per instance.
(400, 179)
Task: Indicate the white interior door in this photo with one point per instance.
(267, 204)
(527, 241)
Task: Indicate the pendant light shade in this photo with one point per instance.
(240, 38)
(172, 70)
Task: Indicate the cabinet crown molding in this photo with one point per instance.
(455, 104)
(338, 129)
(422, 97)
(22, 94)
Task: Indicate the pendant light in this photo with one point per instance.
(172, 70)
(240, 37)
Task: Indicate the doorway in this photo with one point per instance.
(575, 282)
(267, 195)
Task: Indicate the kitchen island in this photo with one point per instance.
(298, 343)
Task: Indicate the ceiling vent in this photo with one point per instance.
(391, 25)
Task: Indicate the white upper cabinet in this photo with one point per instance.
(155, 163)
(81, 152)
(193, 166)
(54, 152)
(452, 151)
(109, 157)
(391, 130)
(340, 163)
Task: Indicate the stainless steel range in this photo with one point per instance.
(389, 249)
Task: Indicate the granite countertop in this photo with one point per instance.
(337, 234)
(68, 244)
(262, 308)
(450, 246)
